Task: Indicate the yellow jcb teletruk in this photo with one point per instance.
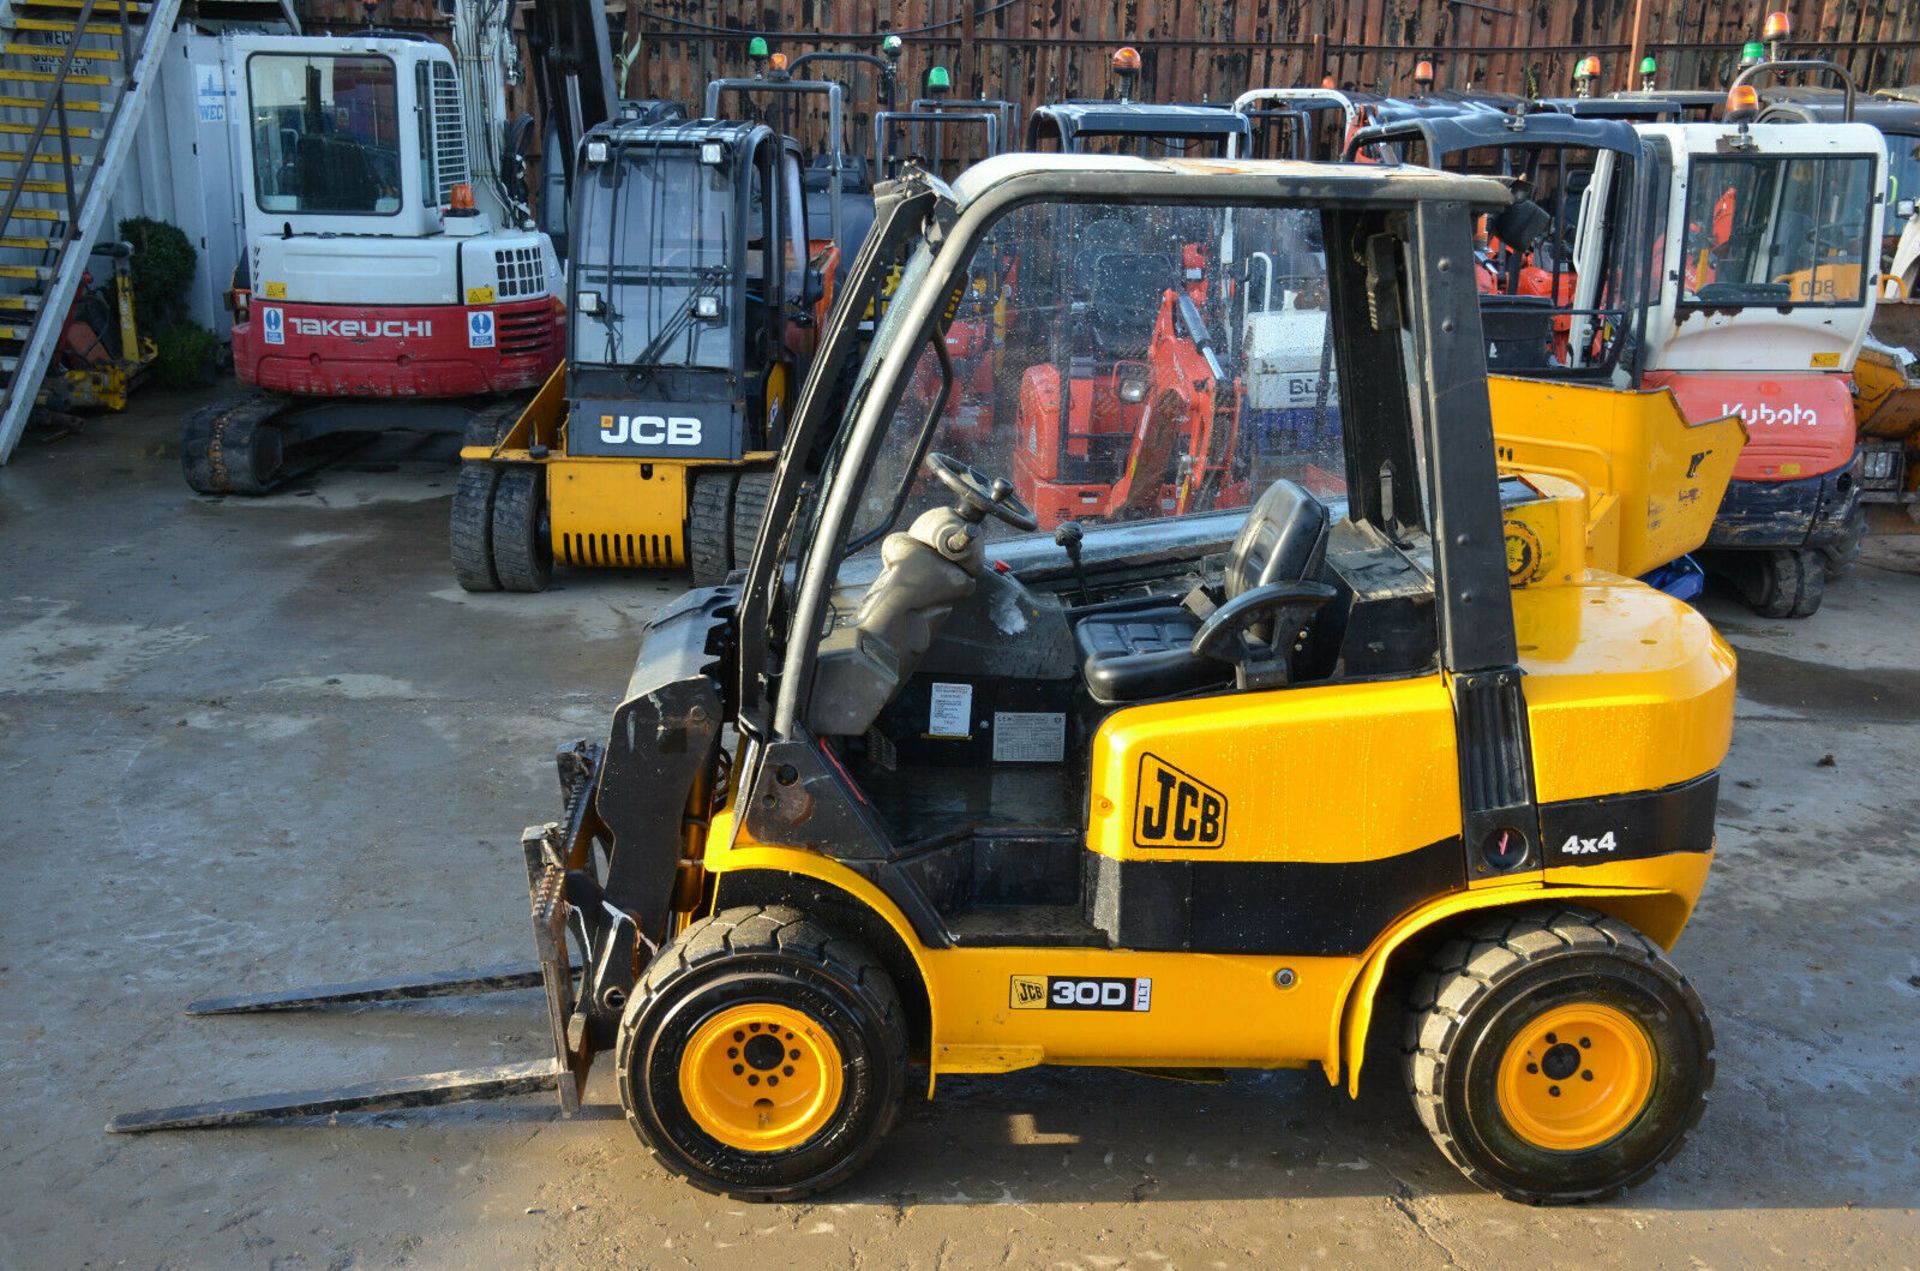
(1179, 789)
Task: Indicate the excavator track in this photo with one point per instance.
(255, 442)
(240, 445)
(221, 450)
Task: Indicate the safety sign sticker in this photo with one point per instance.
(480, 329)
(1029, 736)
(273, 326)
(950, 711)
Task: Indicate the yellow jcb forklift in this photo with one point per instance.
(1168, 792)
(698, 278)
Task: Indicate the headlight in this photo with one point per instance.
(587, 301)
(706, 308)
(1879, 465)
(1132, 391)
(712, 152)
(597, 152)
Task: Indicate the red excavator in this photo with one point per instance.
(395, 276)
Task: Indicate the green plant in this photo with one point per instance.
(184, 355)
(163, 264)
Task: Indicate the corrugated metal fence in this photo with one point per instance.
(1034, 51)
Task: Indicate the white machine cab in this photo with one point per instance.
(1772, 233)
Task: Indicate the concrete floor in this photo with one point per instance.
(247, 744)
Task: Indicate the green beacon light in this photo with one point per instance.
(757, 48)
(1752, 54)
(938, 81)
(1648, 68)
(891, 46)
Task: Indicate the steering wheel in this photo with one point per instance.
(1836, 234)
(979, 497)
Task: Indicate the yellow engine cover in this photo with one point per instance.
(1247, 776)
(618, 512)
(1653, 481)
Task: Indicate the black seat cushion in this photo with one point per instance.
(1144, 653)
(1133, 655)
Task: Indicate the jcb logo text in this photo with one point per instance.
(650, 430)
(1173, 809)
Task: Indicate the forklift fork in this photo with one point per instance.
(608, 941)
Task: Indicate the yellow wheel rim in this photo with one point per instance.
(761, 1077)
(1576, 1077)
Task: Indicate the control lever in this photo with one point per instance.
(1069, 535)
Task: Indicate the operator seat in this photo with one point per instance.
(1137, 654)
(1125, 299)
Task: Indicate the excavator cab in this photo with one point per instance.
(696, 296)
(1530, 257)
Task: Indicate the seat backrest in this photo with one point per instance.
(1284, 540)
(854, 174)
(1125, 294)
(335, 175)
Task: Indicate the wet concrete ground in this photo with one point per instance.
(246, 744)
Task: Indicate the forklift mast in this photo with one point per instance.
(573, 76)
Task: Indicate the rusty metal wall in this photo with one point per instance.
(1035, 51)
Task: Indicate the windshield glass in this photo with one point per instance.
(656, 238)
(1122, 364)
(1777, 230)
(326, 134)
(1525, 259)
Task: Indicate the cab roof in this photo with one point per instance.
(1645, 107)
(1140, 119)
(1473, 130)
(1775, 136)
(1442, 103)
(1829, 105)
(733, 133)
(1227, 180)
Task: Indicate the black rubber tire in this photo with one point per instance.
(1479, 990)
(470, 528)
(522, 552)
(1787, 584)
(710, 525)
(487, 426)
(759, 954)
(1842, 554)
(749, 509)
